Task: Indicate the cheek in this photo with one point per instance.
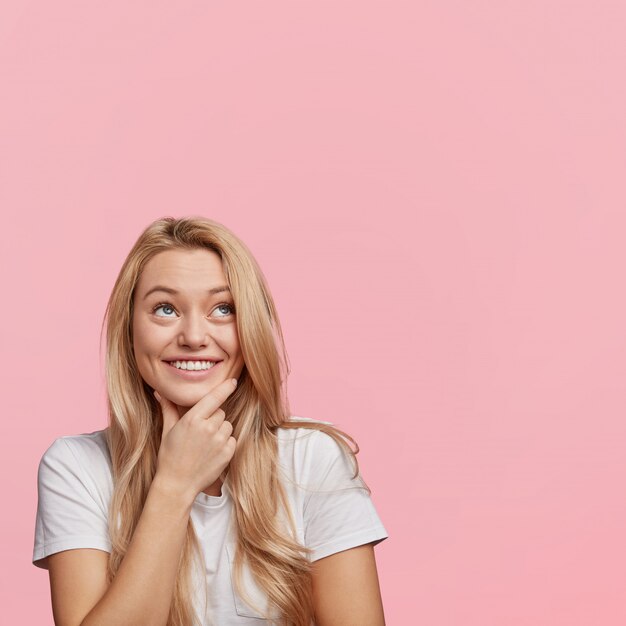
(142, 342)
(144, 356)
(231, 340)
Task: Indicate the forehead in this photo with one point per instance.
(191, 269)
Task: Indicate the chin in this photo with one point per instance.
(188, 397)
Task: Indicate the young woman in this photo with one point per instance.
(204, 501)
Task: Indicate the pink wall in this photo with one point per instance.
(435, 192)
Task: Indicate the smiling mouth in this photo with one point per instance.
(192, 366)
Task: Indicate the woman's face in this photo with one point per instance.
(183, 316)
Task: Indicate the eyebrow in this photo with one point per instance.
(175, 293)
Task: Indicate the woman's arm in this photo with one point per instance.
(346, 591)
(141, 591)
(195, 449)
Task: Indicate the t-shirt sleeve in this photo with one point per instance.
(69, 509)
(338, 511)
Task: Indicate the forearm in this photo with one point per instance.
(141, 591)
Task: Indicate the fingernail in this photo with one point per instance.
(157, 396)
(234, 381)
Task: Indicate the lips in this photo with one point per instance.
(192, 369)
(195, 358)
(193, 374)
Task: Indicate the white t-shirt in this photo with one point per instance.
(75, 487)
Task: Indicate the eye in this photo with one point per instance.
(163, 305)
(225, 305)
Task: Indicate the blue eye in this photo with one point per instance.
(163, 305)
(229, 306)
(166, 306)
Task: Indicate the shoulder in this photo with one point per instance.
(310, 453)
(305, 438)
(83, 445)
(86, 452)
(74, 486)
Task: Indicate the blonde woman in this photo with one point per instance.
(204, 501)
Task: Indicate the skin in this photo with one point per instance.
(196, 446)
(346, 591)
(191, 323)
(196, 324)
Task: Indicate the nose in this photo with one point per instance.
(194, 331)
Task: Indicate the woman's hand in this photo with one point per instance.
(195, 448)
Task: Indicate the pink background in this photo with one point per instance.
(435, 192)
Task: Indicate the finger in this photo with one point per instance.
(229, 448)
(226, 427)
(170, 414)
(209, 403)
(216, 419)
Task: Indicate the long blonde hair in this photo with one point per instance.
(259, 406)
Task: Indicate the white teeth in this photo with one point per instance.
(193, 365)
